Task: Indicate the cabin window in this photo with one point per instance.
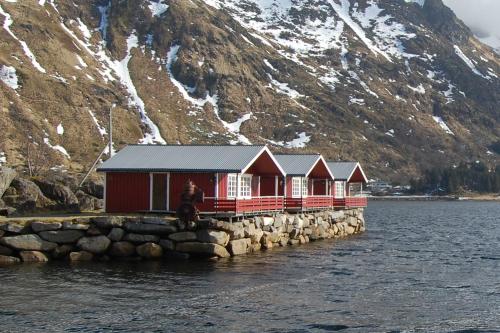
(232, 185)
(246, 186)
(296, 187)
(304, 187)
(339, 189)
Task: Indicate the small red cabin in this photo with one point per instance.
(234, 179)
(308, 181)
(347, 189)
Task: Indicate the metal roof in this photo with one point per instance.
(343, 170)
(297, 164)
(183, 158)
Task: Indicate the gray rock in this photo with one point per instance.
(302, 239)
(122, 249)
(107, 222)
(205, 249)
(14, 228)
(33, 256)
(95, 245)
(293, 242)
(295, 233)
(350, 230)
(116, 234)
(257, 236)
(28, 243)
(167, 244)
(149, 250)
(5, 251)
(307, 231)
(239, 246)
(255, 247)
(95, 231)
(27, 197)
(94, 188)
(62, 251)
(156, 220)
(8, 260)
(7, 175)
(61, 194)
(149, 229)
(42, 226)
(81, 256)
(212, 236)
(183, 236)
(62, 236)
(138, 238)
(68, 225)
(85, 201)
(272, 237)
(283, 241)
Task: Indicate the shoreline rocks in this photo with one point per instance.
(107, 238)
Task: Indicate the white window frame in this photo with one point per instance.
(232, 185)
(296, 187)
(245, 188)
(339, 187)
(305, 186)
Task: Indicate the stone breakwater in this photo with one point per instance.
(137, 238)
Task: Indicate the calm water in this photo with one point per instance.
(421, 267)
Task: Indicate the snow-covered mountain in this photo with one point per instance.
(401, 85)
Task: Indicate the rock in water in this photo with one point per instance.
(206, 249)
(167, 244)
(212, 236)
(5, 251)
(239, 246)
(149, 250)
(62, 236)
(95, 245)
(62, 251)
(122, 249)
(28, 243)
(33, 256)
(81, 256)
(7, 260)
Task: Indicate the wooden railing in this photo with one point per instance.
(310, 202)
(350, 202)
(252, 205)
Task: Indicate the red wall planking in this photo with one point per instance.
(127, 192)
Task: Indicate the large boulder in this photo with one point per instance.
(94, 188)
(7, 175)
(239, 246)
(203, 249)
(43, 226)
(15, 228)
(149, 228)
(8, 260)
(212, 236)
(235, 230)
(28, 243)
(167, 244)
(33, 256)
(138, 238)
(26, 197)
(68, 225)
(61, 194)
(183, 236)
(85, 201)
(149, 250)
(116, 234)
(95, 245)
(62, 236)
(122, 249)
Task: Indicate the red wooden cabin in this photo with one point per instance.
(235, 179)
(347, 189)
(308, 181)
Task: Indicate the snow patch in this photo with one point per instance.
(157, 8)
(469, 62)
(101, 129)
(8, 76)
(122, 70)
(419, 89)
(6, 25)
(58, 148)
(442, 124)
(283, 88)
(419, 2)
(3, 158)
(60, 129)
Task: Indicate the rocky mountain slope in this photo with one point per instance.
(401, 85)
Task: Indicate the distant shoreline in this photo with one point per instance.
(475, 197)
